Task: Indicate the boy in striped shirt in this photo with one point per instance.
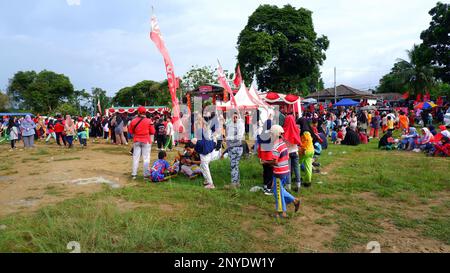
(280, 162)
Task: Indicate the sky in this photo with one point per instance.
(106, 44)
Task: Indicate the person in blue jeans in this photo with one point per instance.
(280, 162)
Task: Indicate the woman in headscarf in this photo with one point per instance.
(306, 156)
(375, 125)
(27, 127)
(292, 139)
(120, 138)
(13, 132)
(69, 129)
(385, 140)
(351, 137)
(426, 141)
(408, 141)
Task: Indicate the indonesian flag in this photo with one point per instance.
(238, 77)
(405, 96)
(440, 101)
(419, 98)
(156, 37)
(427, 97)
(99, 106)
(224, 83)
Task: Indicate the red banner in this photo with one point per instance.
(238, 77)
(223, 81)
(156, 37)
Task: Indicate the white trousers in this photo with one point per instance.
(144, 150)
(204, 165)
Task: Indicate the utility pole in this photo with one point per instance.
(335, 88)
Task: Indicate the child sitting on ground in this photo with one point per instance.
(190, 161)
(161, 168)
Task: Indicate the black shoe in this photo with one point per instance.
(268, 192)
(307, 185)
(316, 164)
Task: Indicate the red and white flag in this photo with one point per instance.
(224, 83)
(238, 77)
(156, 37)
(99, 107)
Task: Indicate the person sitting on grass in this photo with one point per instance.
(387, 142)
(351, 137)
(159, 171)
(408, 140)
(190, 161)
(280, 163)
(426, 141)
(442, 148)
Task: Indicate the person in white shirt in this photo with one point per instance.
(170, 134)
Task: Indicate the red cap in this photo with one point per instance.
(442, 127)
(141, 110)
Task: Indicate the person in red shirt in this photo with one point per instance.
(59, 131)
(142, 129)
(281, 173)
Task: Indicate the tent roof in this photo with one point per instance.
(342, 91)
(347, 102)
(15, 114)
(243, 99)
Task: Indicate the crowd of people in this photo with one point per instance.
(289, 149)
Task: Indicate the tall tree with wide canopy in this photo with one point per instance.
(39, 92)
(280, 46)
(435, 49)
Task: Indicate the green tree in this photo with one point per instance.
(4, 102)
(40, 93)
(198, 76)
(100, 94)
(409, 75)
(436, 42)
(280, 46)
(66, 109)
(143, 93)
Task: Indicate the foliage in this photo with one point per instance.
(4, 102)
(66, 109)
(143, 93)
(280, 46)
(408, 75)
(436, 41)
(39, 92)
(198, 76)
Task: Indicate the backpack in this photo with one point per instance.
(81, 129)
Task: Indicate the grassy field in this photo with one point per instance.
(400, 199)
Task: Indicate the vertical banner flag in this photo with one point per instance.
(99, 107)
(224, 83)
(156, 37)
(238, 77)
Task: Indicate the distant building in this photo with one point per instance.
(342, 92)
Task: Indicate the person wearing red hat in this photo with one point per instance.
(80, 126)
(142, 129)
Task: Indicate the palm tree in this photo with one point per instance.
(418, 77)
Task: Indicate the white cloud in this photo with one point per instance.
(73, 2)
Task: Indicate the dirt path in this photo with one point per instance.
(32, 179)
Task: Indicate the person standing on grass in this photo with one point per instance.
(235, 135)
(292, 139)
(80, 126)
(306, 156)
(375, 125)
(59, 131)
(69, 129)
(13, 132)
(142, 129)
(120, 138)
(50, 131)
(265, 146)
(160, 134)
(170, 134)
(280, 162)
(27, 127)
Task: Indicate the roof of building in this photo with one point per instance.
(342, 91)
